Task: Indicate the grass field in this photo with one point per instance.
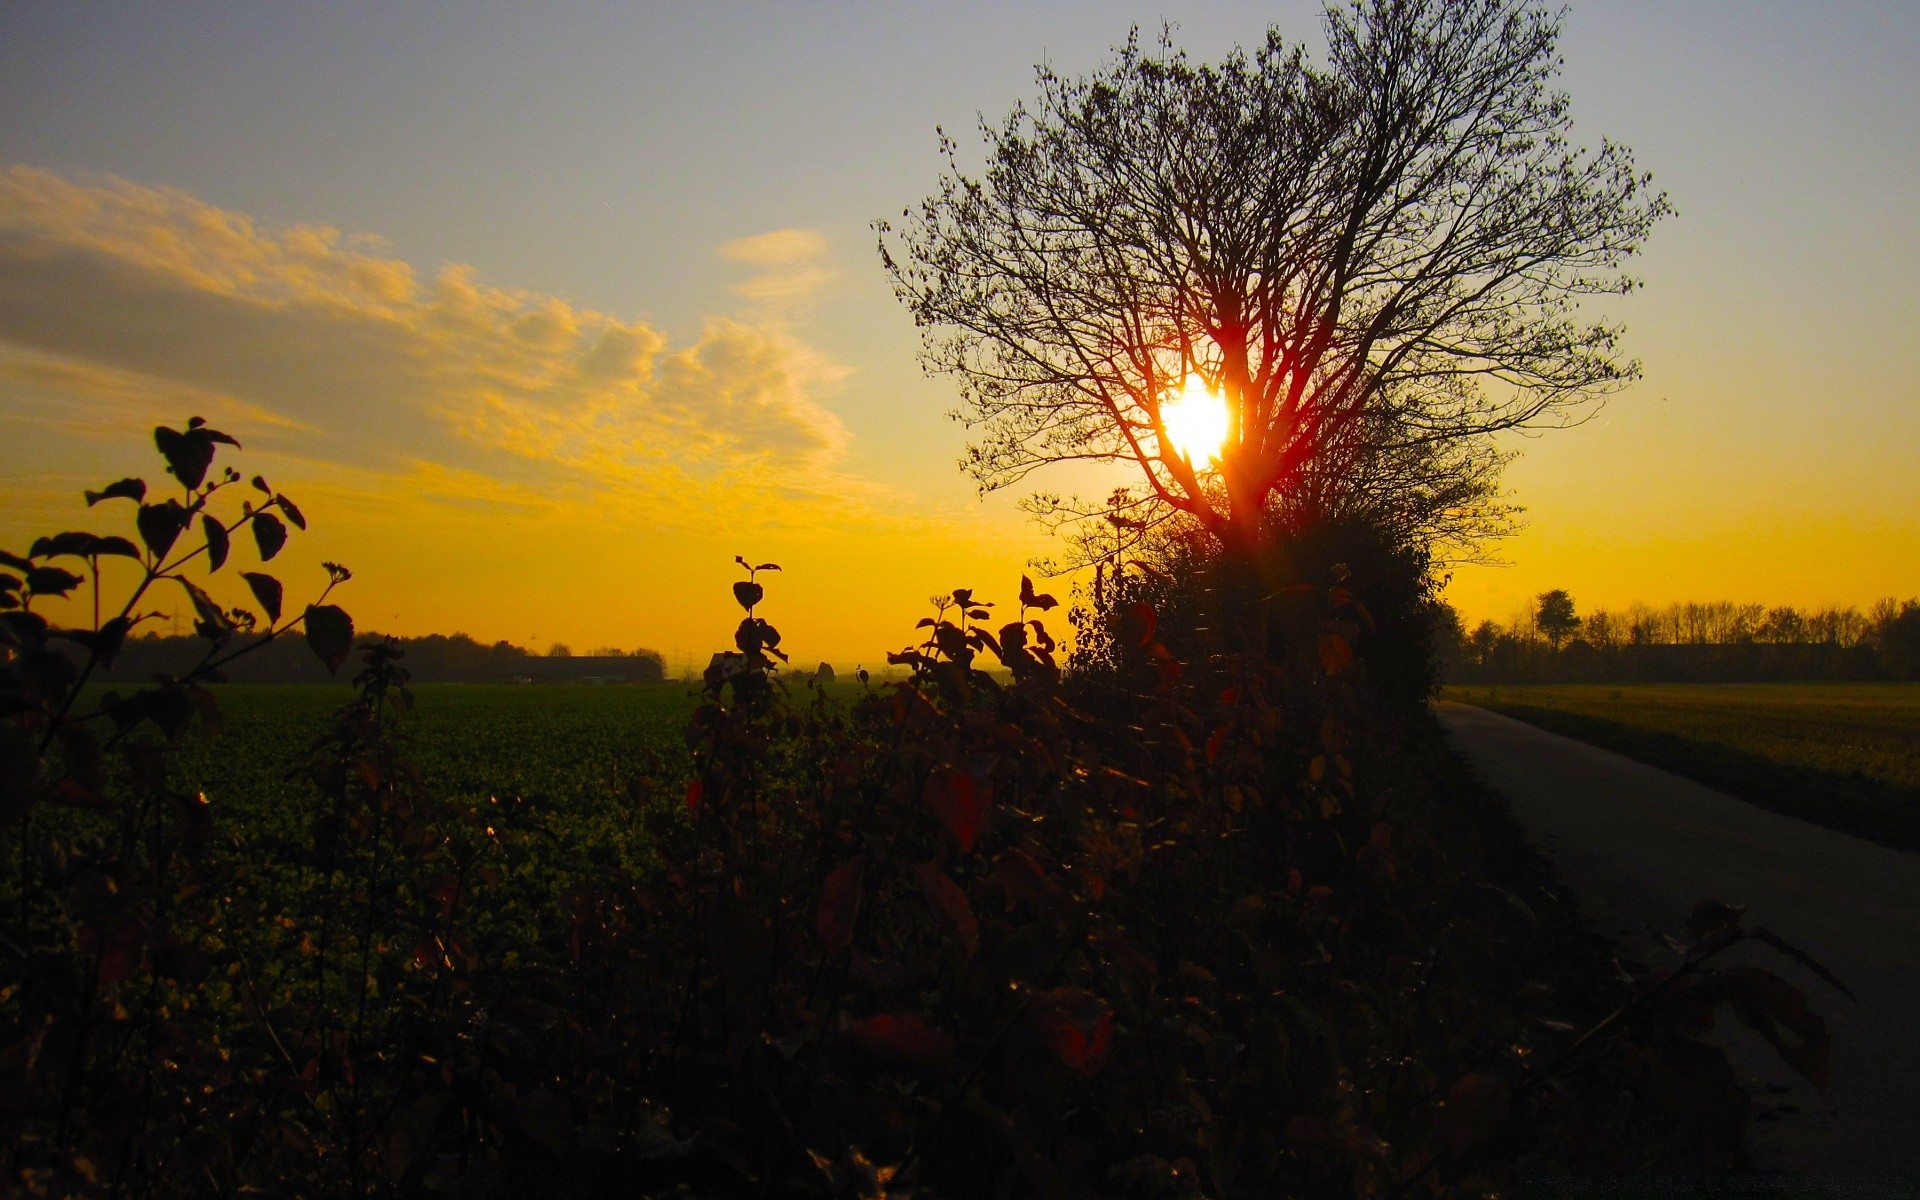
(1843, 755)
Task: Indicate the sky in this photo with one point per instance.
(542, 313)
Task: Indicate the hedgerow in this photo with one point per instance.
(1201, 912)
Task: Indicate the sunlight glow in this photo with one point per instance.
(1196, 421)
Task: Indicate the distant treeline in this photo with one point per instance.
(1714, 642)
(435, 658)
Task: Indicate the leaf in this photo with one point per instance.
(1077, 1027)
(298, 518)
(51, 581)
(213, 622)
(768, 567)
(104, 643)
(949, 904)
(1032, 599)
(903, 1037)
(268, 534)
(840, 902)
(696, 791)
(79, 545)
(260, 485)
(188, 454)
(160, 526)
(748, 593)
(266, 590)
(1772, 1007)
(1353, 1140)
(216, 535)
(1144, 620)
(330, 633)
(125, 489)
(1806, 960)
(955, 800)
(1021, 877)
(1474, 1107)
(1335, 653)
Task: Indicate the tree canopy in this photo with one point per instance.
(1377, 263)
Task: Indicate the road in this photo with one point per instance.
(1639, 846)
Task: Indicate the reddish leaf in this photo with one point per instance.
(903, 1037)
(949, 903)
(840, 902)
(1215, 742)
(695, 791)
(1474, 1107)
(1144, 620)
(1022, 878)
(1335, 653)
(1077, 1027)
(959, 804)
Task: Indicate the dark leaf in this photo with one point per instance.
(260, 485)
(298, 518)
(212, 621)
(1806, 960)
(216, 535)
(768, 567)
(9, 559)
(949, 904)
(330, 634)
(1474, 1107)
(1021, 877)
(78, 545)
(1032, 599)
(266, 590)
(51, 581)
(125, 489)
(188, 454)
(958, 803)
(104, 643)
(903, 1037)
(748, 593)
(1353, 1140)
(1077, 1026)
(1335, 653)
(268, 534)
(840, 902)
(160, 526)
(1774, 1008)
(1142, 621)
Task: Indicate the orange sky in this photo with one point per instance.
(539, 352)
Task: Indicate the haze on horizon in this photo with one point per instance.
(545, 316)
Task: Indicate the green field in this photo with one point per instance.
(1844, 755)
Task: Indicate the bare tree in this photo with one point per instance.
(1377, 263)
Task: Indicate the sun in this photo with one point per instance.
(1196, 421)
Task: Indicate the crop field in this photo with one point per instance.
(1843, 755)
(561, 744)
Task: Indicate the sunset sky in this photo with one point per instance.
(543, 312)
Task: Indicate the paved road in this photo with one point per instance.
(1638, 846)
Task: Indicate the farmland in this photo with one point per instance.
(1842, 755)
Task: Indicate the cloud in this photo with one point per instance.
(789, 266)
(120, 303)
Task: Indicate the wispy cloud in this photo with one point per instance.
(789, 266)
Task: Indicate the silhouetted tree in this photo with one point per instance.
(1555, 616)
(1378, 262)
